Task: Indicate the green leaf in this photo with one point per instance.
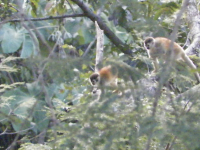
(40, 117)
(12, 39)
(26, 103)
(34, 5)
(21, 102)
(80, 39)
(33, 88)
(27, 47)
(168, 8)
(2, 31)
(61, 91)
(51, 90)
(22, 106)
(21, 125)
(84, 32)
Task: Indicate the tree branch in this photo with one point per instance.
(99, 47)
(193, 18)
(113, 38)
(45, 18)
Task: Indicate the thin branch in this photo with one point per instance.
(39, 35)
(32, 35)
(10, 77)
(44, 27)
(14, 8)
(89, 47)
(4, 132)
(45, 18)
(70, 6)
(167, 147)
(172, 143)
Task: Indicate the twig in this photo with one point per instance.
(10, 77)
(89, 47)
(45, 18)
(173, 141)
(70, 6)
(4, 132)
(167, 147)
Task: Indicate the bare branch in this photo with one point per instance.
(99, 47)
(45, 18)
(89, 47)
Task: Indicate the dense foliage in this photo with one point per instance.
(47, 57)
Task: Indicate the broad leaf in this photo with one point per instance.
(12, 39)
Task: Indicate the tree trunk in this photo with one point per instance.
(193, 18)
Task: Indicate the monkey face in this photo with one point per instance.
(149, 43)
(94, 79)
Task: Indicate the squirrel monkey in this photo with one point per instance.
(159, 48)
(107, 76)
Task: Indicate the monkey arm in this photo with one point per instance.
(155, 65)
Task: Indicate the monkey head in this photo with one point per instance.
(149, 43)
(94, 79)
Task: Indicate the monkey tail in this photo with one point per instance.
(191, 65)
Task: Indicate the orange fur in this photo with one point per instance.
(105, 73)
(166, 43)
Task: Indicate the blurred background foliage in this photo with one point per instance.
(46, 100)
